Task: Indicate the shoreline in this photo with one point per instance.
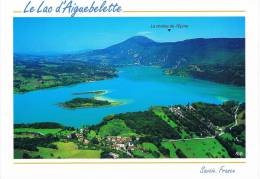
(119, 71)
(59, 86)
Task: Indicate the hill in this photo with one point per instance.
(145, 51)
(218, 59)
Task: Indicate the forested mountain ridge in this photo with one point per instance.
(218, 59)
(141, 50)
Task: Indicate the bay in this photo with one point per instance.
(139, 87)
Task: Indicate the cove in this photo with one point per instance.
(140, 87)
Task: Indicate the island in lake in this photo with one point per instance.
(97, 92)
(88, 103)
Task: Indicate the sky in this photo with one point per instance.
(68, 35)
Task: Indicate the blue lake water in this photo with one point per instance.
(140, 87)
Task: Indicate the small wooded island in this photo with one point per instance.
(88, 103)
(98, 92)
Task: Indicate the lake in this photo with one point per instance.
(138, 86)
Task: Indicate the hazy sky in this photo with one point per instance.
(64, 35)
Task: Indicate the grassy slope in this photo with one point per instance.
(141, 154)
(169, 145)
(115, 127)
(202, 148)
(194, 148)
(65, 150)
(149, 147)
(159, 112)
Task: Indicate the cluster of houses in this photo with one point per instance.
(123, 144)
(120, 143)
(79, 136)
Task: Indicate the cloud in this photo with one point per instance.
(143, 33)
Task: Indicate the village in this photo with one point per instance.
(116, 143)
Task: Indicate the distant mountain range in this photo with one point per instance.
(217, 59)
(142, 50)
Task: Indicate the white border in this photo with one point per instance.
(10, 170)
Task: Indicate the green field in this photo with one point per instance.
(231, 141)
(40, 131)
(148, 150)
(159, 112)
(26, 135)
(149, 147)
(201, 148)
(169, 145)
(115, 127)
(141, 154)
(65, 150)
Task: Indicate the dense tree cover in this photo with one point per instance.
(34, 73)
(164, 151)
(31, 144)
(228, 146)
(234, 138)
(28, 156)
(237, 130)
(85, 102)
(230, 106)
(180, 154)
(214, 113)
(238, 134)
(221, 73)
(41, 125)
(106, 153)
(200, 119)
(151, 139)
(149, 124)
(191, 122)
(242, 108)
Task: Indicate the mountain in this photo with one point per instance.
(141, 50)
(218, 59)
